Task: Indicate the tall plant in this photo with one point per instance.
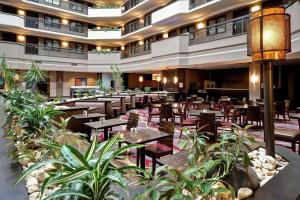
(90, 175)
(118, 79)
(101, 85)
(34, 76)
(8, 74)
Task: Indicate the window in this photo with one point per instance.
(52, 22)
(52, 45)
(76, 26)
(54, 2)
(216, 26)
(76, 48)
(77, 6)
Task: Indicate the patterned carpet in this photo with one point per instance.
(143, 122)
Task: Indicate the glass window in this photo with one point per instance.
(76, 26)
(216, 25)
(222, 27)
(54, 2)
(76, 48)
(52, 22)
(52, 45)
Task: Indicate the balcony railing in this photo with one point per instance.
(55, 27)
(41, 50)
(136, 51)
(229, 28)
(137, 25)
(65, 5)
(197, 3)
(130, 4)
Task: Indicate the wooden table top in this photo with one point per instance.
(198, 102)
(239, 106)
(198, 112)
(88, 116)
(177, 160)
(295, 116)
(144, 136)
(106, 123)
(72, 108)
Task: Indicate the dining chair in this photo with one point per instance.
(185, 121)
(280, 110)
(287, 108)
(207, 125)
(152, 112)
(163, 146)
(253, 115)
(166, 112)
(133, 120)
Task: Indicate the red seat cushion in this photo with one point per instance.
(158, 148)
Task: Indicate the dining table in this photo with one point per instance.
(296, 116)
(143, 136)
(105, 125)
(197, 113)
(174, 105)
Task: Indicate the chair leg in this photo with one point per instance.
(153, 165)
(294, 146)
(138, 157)
(180, 133)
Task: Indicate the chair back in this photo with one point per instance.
(133, 120)
(169, 128)
(207, 123)
(166, 111)
(287, 105)
(253, 113)
(280, 107)
(145, 100)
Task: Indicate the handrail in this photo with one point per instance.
(129, 28)
(136, 51)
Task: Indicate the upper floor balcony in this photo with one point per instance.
(197, 3)
(66, 5)
(136, 51)
(229, 28)
(137, 25)
(130, 4)
(45, 25)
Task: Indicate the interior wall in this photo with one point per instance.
(133, 81)
(231, 78)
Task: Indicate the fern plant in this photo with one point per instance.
(8, 74)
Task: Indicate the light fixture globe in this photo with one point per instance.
(269, 35)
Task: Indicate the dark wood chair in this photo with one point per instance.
(152, 112)
(166, 112)
(207, 125)
(253, 115)
(162, 147)
(145, 101)
(185, 121)
(230, 113)
(287, 108)
(133, 120)
(280, 109)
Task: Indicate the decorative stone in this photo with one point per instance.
(271, 173)
(270, 160)
(38, 155)
(244, 193)
(32, 189)
(264, 181)
(262, 159)
(34, 195)
(41, 176)
(49, 167)
(262, 151)
(32, 181)
(30, 164)
(269, 166)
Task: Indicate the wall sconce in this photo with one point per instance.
(21, 12)
(122, 48)
(200, 25)
(141, 80)
(175, 80)
(142, 20)
(255, 8)
(165, 80)
(165, 35)
(65, 44)
(65, 21)
(141, 42)
(122, 8)
(254, 79)
(21, 38)
(99, 48)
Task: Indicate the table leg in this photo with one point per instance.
(142, 155)
(105, 133)
(138, 157)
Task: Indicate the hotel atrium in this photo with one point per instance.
(149, 99)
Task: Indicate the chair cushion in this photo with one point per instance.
(158, 148)
(155, 112)
(286, 133)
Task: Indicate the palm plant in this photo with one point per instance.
(100, 85)
(88, 175)
(117, 76)
(34, 76)
(8, 74)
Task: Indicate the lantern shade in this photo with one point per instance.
(269, 35)
(141, 79)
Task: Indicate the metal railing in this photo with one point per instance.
(229, 28)
(136, 51)
(55, 27)
(41, 50)
(197, 3)
(137, 25)
(65, 5)
(130, 4)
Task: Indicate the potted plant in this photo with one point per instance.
(117, 77)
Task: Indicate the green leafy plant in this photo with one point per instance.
(91, 92)
(147, 89)
(8, 74)
(78, 93)
(101, 85)
(34, 76)
(117, 77)
(208, 166)
(90, 175)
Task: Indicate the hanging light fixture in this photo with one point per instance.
(269, 39)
